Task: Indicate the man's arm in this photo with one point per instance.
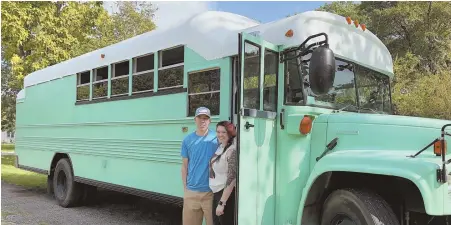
(184, 171)
(184, 154)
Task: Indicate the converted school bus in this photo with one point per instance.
(317, 143)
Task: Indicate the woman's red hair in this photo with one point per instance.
(229, 127)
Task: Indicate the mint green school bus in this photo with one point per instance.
(310, 94)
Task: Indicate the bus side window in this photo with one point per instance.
(171, 65)
(83, 82)
(100, 83)
(204, 90)
(293, 91)
(270, 81)
(119, 78)
(251, 76)
(143, 73)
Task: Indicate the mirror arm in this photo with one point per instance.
(305, 50)
(314, 36)
(303, 53)
(316, 44)
(300, 66)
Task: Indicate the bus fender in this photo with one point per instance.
(420, 172)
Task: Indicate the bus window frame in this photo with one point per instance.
(258, 112)
(81, 85)
(302, 103)
(95, 81)
(277, 54)
(140, 94)
(188, 73)
(144, 72)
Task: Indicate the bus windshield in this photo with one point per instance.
(355, 88)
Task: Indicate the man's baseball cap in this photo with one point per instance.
(202, 111)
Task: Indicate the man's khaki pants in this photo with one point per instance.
(196, 206)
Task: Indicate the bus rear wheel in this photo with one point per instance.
(356, 207)
(65, 189)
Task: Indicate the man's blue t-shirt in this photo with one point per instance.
(199, 150)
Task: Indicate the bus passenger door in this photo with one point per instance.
(259, 62)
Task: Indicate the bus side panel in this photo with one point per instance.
(27, 156)
(293, 166)
(132, 142)
(159, 177)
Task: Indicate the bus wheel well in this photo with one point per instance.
(55, 160)
(400, 193)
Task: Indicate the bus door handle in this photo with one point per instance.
(282, 125)
(247, 125)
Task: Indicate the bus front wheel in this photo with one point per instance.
(65, 189)
(351, 206)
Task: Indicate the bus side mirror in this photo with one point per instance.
(322, 70)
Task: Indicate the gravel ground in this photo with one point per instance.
(25, 206)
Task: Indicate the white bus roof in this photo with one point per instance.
(214, 35)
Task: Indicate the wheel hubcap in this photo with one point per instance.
(61, 185)
(342, 219)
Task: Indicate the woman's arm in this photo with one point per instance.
(231, 175)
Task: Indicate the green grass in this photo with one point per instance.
(8, 147)
(13, 175)
(5, 214)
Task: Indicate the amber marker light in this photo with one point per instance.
(305, 126)
(348, 19)
(356, 23)
(438, 147)
(289, 33)
(363, 26)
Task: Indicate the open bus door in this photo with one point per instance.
(257, 129)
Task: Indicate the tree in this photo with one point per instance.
(39, 34)
(345, 9)
(421, 28)
(131, 19)
(418, 36)
(420, 93)
(36, 35)
(8, 99)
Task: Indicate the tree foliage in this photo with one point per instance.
(418, 35)
(36, 35)
(8, 99)
(131, 19)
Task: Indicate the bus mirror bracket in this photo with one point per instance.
(321, 67)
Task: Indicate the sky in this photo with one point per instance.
(171, 12)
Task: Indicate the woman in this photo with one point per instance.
(223, 175)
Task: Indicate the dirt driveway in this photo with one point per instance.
(24, 206)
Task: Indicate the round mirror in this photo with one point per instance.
(322, 70)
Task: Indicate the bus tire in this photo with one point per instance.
(50, 185)
(66, 190)
(361, 207)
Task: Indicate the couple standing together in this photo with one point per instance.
(209, 172)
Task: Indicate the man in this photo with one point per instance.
(197, 150)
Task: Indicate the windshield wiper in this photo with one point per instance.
(339, 110)
(359, 109)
